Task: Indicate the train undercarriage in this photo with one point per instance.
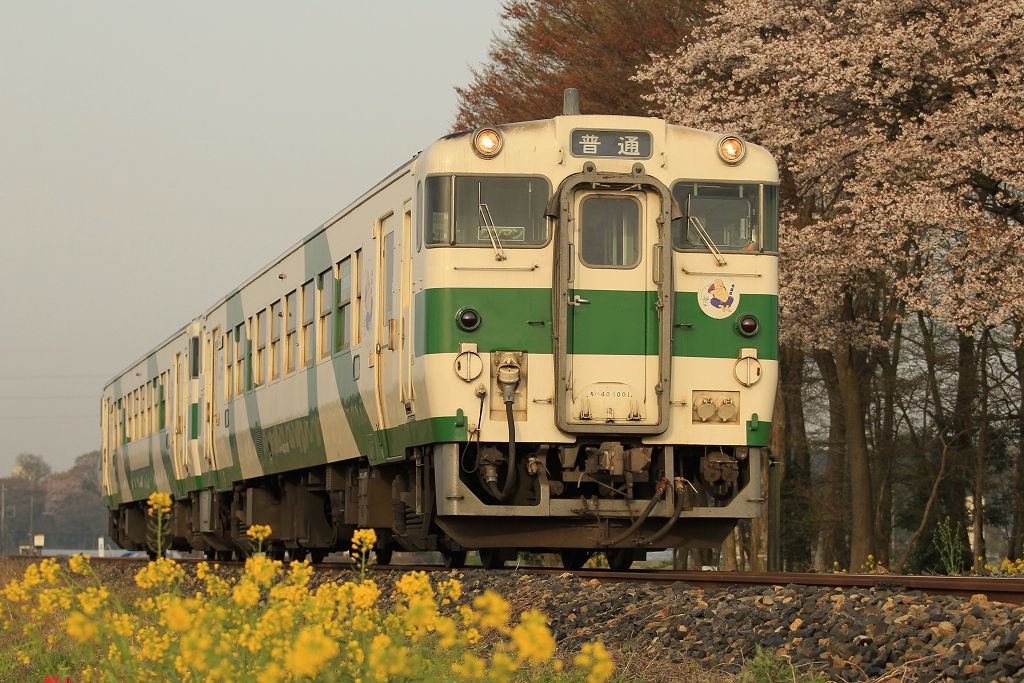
(615, 497)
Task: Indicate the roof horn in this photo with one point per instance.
(571, 102)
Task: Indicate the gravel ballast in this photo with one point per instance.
(850, 635)
(847, 634)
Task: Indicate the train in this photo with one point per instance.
(553, 336)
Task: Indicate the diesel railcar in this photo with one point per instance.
(555, 335)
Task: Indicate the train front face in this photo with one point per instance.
(600, 303)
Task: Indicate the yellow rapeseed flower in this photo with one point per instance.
(363, 540)
(178, 616)
(92, 599)
(80, 627)
(532, 639)
(79, 564)
(493, 611)
(162, 572)
(160, 503)
(595, 657)
(310, 652)
(258, 532)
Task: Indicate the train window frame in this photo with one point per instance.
(451, 215)
(761, 243)
(357, 296)
(228, 365)
(343, 304)
(419, 219)
(291, 341)
(259, 369)
(238, 358)
(638, 255)
(276, 323)
(307, 334)
(324, 333)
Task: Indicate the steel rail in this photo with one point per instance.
(994, 588)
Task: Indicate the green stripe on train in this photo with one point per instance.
(614, 322)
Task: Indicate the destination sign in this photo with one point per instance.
(634, 144)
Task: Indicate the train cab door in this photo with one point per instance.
(613, 360)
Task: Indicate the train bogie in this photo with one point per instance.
(564, 339)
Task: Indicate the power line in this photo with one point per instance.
(41, 398)
(49, 417)
(57, 376)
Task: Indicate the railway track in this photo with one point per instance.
(997, 589)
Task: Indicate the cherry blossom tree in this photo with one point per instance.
(899, 129)
(595, 46)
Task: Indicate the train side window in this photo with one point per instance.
(259, 370)
(357, 293)
(308, 315)
(419, 223)
(239, 359)
(343, 333)
(194, 360)
(325, 285)
(770, 217)
(161, 419)
(291, 341)
(276, 318)
(437, 210)
(154, 405)
(224, 359)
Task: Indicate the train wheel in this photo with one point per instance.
(296, 554)
(491, 558)
(575, 558)
(383, 555)
(619, 559)
(454, 559)
(151, 554)
(317, 556)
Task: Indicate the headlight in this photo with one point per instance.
(747, 325)
(731, 149)
(487, 142)
(468, 319)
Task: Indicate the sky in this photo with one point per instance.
(155, 155)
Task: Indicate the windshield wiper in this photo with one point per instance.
(492, 232)
(703, 233)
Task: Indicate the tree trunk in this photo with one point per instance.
(862, 525)
(1016, 541)
(832, 519)
(884, 450)
(789, 442)
(978, 527)
(729, 553)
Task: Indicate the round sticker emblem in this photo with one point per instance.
(718, 297)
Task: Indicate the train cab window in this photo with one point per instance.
(343, 334)
(610, 232)
(276, 318)
(291, 339)
(325, 285)
(724, 214)
(485, 211)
